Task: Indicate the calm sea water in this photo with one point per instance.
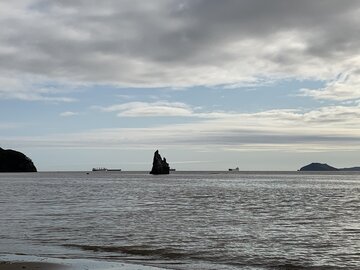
(185, 220)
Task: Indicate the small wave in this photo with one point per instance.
(283, 266)
(303, 267)
(352, 230)
(135, 250)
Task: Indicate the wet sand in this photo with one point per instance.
(18, 262)
(31, 266)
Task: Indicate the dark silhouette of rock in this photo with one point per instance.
(14, 161)
(325, 167)
(318, 167)
(160, 166)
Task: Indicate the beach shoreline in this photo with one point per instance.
(8, 265)
(19, 262)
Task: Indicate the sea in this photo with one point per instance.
(185, 220)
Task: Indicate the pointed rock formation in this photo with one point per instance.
(160, 166)
(14, 161)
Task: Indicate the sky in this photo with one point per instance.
(254, 84)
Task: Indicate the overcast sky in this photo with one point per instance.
(258, 84)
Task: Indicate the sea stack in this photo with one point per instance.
(14, 161)
(160, 166)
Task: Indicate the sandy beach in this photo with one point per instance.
(18, 262)
(31, 266)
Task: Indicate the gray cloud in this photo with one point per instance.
(179, 43)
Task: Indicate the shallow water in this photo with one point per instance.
(204, 220)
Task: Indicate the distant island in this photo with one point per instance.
(322, 167)
(14, 161)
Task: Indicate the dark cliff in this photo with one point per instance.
(160, 166)
(14, 161)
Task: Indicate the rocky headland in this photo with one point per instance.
(160, 166)
(14, 161)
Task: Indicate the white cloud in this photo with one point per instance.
(31, 88)
(281, 118)
(127, 97)
(145, 109)
(345, 87)
(68, 114)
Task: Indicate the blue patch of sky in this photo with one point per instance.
(280, 95)
(283, 94)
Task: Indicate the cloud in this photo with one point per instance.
(68, 114)
(345, 87)
(31, 88)
(147, 109)
(284, 118)
(179, 43)
(125, 96)
(324, 129)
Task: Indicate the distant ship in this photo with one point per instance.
(99, 169)
(105, 170)
(172, 170)
(234, 170)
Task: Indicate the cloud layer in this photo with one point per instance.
(180, 43)
(325, 129)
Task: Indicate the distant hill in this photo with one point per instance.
(318, 167)
(14, 161)
(325, 167)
